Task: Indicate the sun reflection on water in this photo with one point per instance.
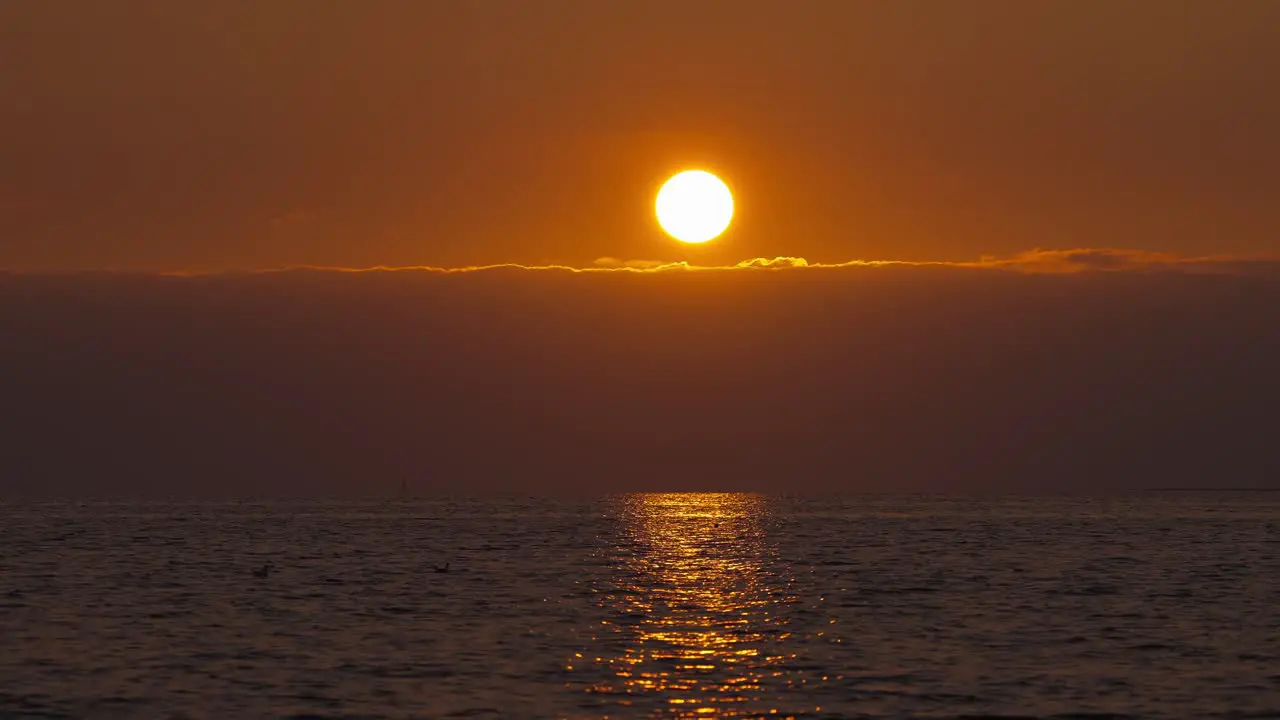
(694, 628)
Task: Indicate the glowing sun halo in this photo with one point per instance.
(694, 206)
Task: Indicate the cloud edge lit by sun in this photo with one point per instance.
(1030, 262)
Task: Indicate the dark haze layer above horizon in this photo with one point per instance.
(852, 379)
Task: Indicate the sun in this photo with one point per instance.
(694, 206)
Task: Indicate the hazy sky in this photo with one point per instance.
(531, 381)
(159, 134)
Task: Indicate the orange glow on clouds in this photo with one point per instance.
(1036, 261)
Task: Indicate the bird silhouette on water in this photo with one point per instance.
(442, 569)
(263, 571)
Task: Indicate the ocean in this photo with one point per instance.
(1154, 605)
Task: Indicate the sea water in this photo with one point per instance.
(1159, 605)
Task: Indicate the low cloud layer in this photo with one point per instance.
(1079, 370)
(1031, 262)
(1113, 260)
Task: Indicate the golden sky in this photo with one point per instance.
(218, 134)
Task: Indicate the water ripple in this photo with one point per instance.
(701, 605)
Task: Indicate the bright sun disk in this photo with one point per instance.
(694, 206)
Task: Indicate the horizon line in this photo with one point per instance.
(1034, 261)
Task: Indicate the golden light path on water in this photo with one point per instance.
(695, 629)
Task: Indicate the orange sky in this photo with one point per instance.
(163, 134)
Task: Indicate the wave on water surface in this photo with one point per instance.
(682, 605)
